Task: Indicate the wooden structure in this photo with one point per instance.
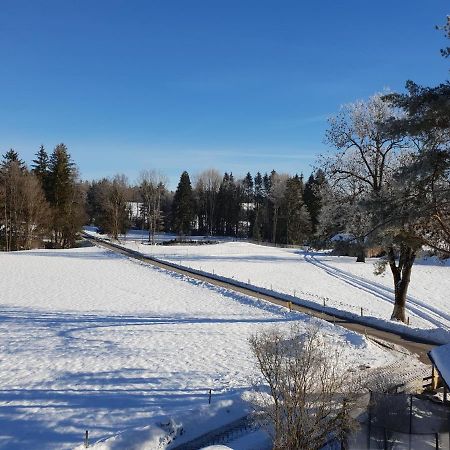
(440, 358)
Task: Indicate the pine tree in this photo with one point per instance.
(256, 230)
(64, 198)
(258, 192)
(40, 168)
(277, 196)
(312, 196)
(248, 197)
(183, 206)
(298, 226)
(12, 157)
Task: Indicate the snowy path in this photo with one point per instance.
(419, 308)
(91, 340)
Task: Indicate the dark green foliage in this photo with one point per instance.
(427, 108)
(229, 199)
(248, 199)
(40, 168)
(97, 204)
(446, 28)
(248, 188)
(183, 206)
(298, 221)
(312, 196)
(65, 198)
(259, 196)
(12, 157)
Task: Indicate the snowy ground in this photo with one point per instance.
(91, 340)
(337, 282)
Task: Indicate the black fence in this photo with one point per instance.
(407, 422)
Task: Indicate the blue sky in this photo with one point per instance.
(186, 85)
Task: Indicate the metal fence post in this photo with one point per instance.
(369, 425)
(410, 419)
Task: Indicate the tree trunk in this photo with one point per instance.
(402, 276)
(361, 253)
(275, 222)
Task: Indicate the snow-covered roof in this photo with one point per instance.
(345, 237)
(440, 356)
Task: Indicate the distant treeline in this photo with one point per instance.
(47, 204)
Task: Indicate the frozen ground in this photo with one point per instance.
(336, 282)
(91, 340)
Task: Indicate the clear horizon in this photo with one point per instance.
(238, 87)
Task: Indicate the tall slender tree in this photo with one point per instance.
(183, 206)
(64, 197)
(298, 227)
(40, 168)
(312, 196)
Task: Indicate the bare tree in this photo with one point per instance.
(35, 211)
(366, 155)
(116, 205)
(25, 212)
(277, 196)
(309, 395)
(152, 186)
(207, 184)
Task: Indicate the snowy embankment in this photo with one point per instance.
(329, 283)
(93, 341)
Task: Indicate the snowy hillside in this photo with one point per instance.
(340, 282)
(90, 340)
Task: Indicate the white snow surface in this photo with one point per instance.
(441, 358)
(337, 282)
(90, 340)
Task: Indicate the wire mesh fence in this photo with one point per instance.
(405, 421)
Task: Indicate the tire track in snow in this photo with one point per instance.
(416, 306)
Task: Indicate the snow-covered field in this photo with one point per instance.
(336, 282)
(93, 341)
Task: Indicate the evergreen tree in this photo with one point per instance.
(277, 197)
(248, 197)
(236, 199)
(229, 200)
(223, 204)
(183, 206)
(312, 196)
(258, 192)
(298, 226)
(267, 212)
(40, 168)
(12, 157)
(256, 230)
(64, 198)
